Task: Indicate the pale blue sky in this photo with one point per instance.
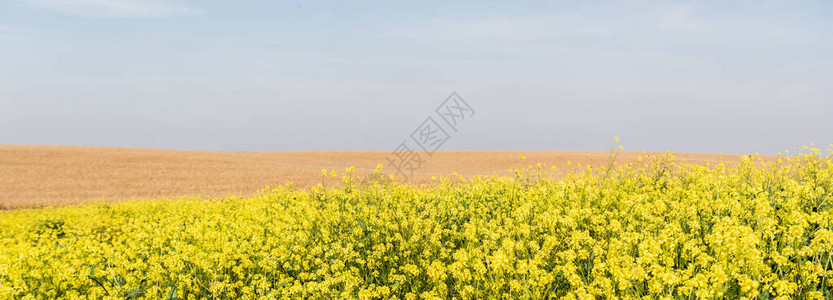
(704, 76)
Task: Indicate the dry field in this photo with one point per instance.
(36, 176)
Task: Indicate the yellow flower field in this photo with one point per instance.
(655, 229)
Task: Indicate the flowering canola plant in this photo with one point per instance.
(652, 229)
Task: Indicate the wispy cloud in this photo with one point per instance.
(660, 27)
(5, 88)
(7, 30)
(114, 8)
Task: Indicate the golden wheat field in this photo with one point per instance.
(36, 176)
(617, 225)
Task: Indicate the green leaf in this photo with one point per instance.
(120, 281)
(172, 294)
(132, 294)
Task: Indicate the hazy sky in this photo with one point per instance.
(692, 76)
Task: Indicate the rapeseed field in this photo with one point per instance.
(654, 229)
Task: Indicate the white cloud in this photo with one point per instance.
(9, 30)
(113, 8)
(660, 27)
